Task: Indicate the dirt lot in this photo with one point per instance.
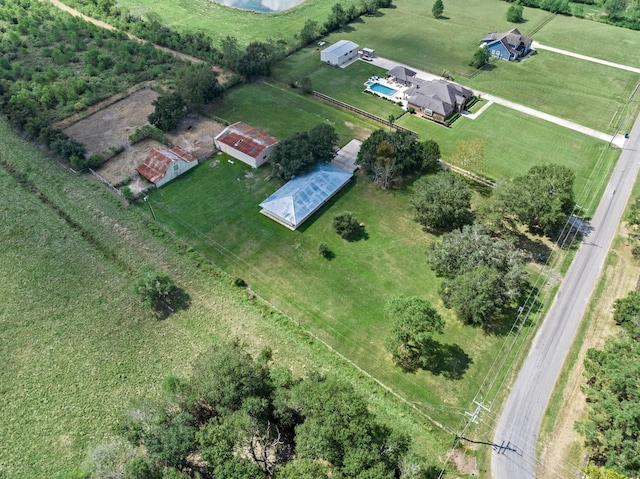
(194, 134)
(112, 125)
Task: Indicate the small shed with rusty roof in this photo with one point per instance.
(163, 165)
(246, 143)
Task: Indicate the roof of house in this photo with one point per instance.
(401, 73)
(346, 157)
(299, 198)
(158, 161)
(440, 96)
(246, 139)
(340, 48)
(511, 39)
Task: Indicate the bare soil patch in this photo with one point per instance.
(194, 134)
(465, 463)
(112, 125)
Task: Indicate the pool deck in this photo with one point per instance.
(399, 88)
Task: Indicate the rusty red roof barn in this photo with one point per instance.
(157, 165)
(246, 143)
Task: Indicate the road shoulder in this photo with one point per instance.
(559, 443)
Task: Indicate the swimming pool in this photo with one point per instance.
(382, 90)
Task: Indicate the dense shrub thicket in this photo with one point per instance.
(53, 65)
(611, 427)
(239, 417)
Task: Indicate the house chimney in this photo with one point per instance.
(492, 36)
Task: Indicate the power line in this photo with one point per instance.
(568, 233)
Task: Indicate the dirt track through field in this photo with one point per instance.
(101, 24)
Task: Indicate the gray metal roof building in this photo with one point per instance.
(302, 196)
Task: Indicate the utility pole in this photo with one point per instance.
(146, 200)
(473, 419)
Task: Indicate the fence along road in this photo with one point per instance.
(520, 421)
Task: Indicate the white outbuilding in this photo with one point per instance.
(339, 53)
(246, 143)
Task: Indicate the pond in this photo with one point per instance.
(261, 5)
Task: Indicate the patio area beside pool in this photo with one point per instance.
(386, 88)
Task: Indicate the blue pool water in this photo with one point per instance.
(383, 90)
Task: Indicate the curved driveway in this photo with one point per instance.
(521, 418)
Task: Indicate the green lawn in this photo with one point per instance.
(515, 142)
(586, 93)
(77, 349)
(281, 111)
(215, 208)
(589, 94)
(607, 42)
(219, 21)
(347, 85)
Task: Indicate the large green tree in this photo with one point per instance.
(339, 429)
(514, 13)
(438, 9)
(169, 108)
(346, 224)
(626, 313)
(472, 246)
(155, 288)
(542, 199)
(238, 418)
(409, 155)
(483, 275)
(441, 201)
(413, 322)
(257, 60)
(480, 58)
(298, 153)
(199, 85)
(477, 296)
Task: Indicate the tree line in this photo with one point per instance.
(622, 13)
(611, 427)
(201, 45)
(239, 417)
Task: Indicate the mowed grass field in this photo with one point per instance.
(76, 347)
(589, 94)
(219, 21)
(215, 208)
(282, 111)
(514, 142)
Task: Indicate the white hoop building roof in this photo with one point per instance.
(302, 196)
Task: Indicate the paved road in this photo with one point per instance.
(525, 407)
(617, 140)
